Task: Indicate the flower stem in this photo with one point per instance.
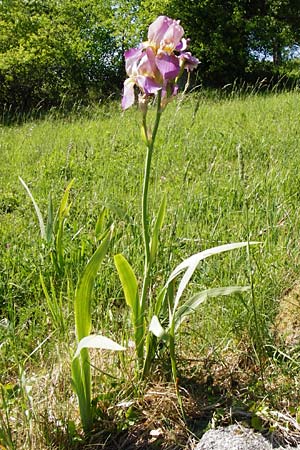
(150, 140)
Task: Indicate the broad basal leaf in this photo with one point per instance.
(97, 341)
(156, 328)
(83, 295)
(129, 283)
(191, 305)
(190, 265)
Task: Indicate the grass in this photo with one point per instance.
(230, 169)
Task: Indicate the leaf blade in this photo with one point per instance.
(82, 304)
(37, 210)
(156, 328)
(191, 264)
(97, 341)
(129, 282)
(191, 305)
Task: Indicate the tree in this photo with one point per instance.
(52, 50)
(273, 27)
(218, 36)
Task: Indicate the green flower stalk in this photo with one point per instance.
(150, 139)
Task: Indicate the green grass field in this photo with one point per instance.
(230, 170)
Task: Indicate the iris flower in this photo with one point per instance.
(157, 63)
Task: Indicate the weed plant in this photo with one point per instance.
(229, 168)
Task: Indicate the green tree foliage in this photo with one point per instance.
(60, 51)
(54, 51)
(218, 36)
(273, 27)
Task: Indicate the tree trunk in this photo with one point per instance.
(277, 55)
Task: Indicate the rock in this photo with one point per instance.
(235, 437)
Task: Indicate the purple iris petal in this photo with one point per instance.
(132, 52)
(132, 56)
(147, 64)
(190, 62)
(173, 34)
(183, 44)
(128, 94)
(158, 29)
(148, 85)
(168, 65)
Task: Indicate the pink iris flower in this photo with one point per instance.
(165, 34)
(156, 63)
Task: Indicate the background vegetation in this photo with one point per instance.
(57, 52)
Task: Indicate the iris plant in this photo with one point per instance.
(153, 71)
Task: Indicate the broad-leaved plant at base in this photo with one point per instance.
(52, 235)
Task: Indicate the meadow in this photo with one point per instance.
(229, 166)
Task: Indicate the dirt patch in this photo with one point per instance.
(287, 323)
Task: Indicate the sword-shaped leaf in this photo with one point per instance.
(193, 303)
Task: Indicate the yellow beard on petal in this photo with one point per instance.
(167, 47)
(152, 45)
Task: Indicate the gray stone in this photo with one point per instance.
(235, 437)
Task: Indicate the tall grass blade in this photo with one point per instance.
(6, 436)
(50, 300)
(62, 213)
(37, 210)
(157, 227)
(50, 221)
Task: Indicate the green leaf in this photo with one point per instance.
(59, 243)
(191, 305)
(37, 210)
(50, 220)
(83, 295)
(129, 283)
(64, 207)
(190, 265)
(83, 394)
(156, 328)
(97, 341)
(100, 223)
(157, 227)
